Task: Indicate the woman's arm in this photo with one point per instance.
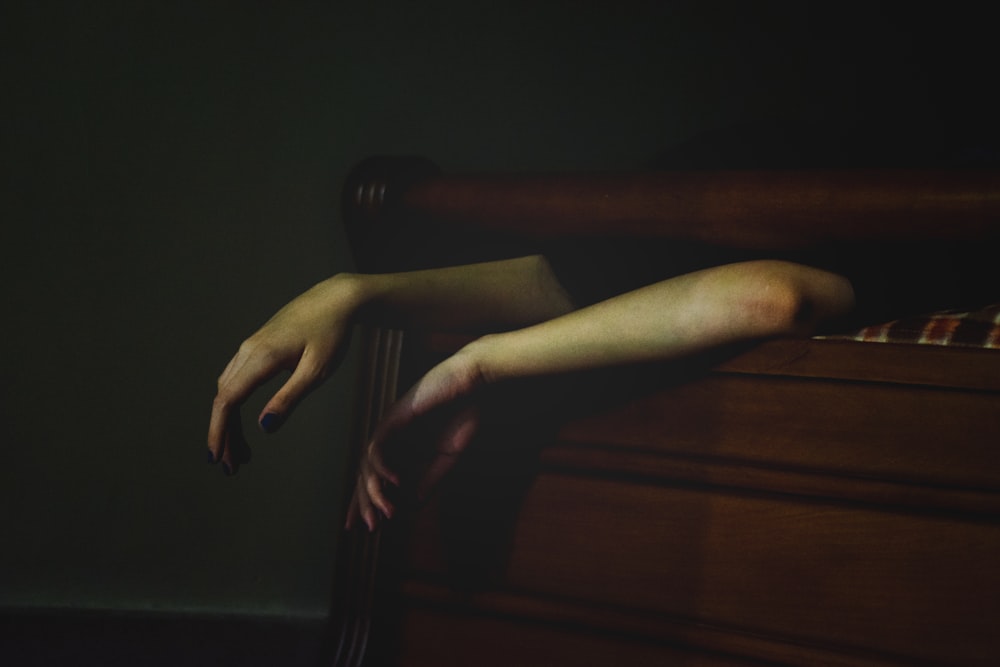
(308, 336)
(674, 318)
(490, 296)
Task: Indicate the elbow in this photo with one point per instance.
(787, 300)
(781, 309)
(763, 299)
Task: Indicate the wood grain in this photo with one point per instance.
(801, 502)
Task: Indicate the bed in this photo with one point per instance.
(823, 501)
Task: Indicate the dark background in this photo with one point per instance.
(171, 178)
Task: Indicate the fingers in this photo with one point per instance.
(373, 483)
(252, 365)
(375, 461)
(308, 373)
(237, 451)
(369, 499)
(363, 506)
(305, 337)
(445, 389)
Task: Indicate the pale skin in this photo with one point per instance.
(308, 335)
(540, 334)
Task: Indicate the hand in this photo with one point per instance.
(306, 337)
(445, 397)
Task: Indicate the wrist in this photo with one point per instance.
(378, 299)
(490, 356)
(353, 290)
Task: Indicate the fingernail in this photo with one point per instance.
(270, 422)
(211, 456)
(226, 468)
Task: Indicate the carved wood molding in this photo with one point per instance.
(358, 549)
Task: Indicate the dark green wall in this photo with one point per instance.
(172, 179)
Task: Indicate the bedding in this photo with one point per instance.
(977, 328)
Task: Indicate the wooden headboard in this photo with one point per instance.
(804, 502)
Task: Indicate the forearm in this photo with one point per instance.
(490, 296)
(671, 319)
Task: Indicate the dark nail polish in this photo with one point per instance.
(270, 422)
(226, 468)
(211, 456)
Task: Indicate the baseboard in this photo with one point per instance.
(53, 637)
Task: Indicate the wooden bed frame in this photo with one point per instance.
(800, 502)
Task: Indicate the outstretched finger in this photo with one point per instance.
(376, 461)
(373, 487)
(365, 509)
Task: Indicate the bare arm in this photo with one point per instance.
(670, 319)
(673, 318)
(309, 335)
(486, 297)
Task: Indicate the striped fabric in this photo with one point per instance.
(977, 328)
